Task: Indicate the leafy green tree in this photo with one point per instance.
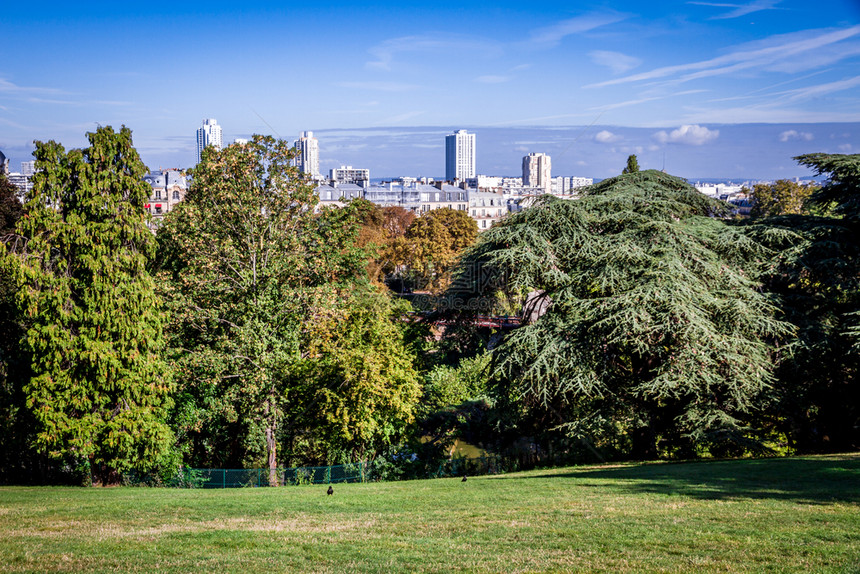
(632, 165)
(10, 208)
(655, 320)
(16, 424)
(816, 274)
(359, 386)
(100, 388)
(254, 277)
(782, 197)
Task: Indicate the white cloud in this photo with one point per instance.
(606, 136)
(378, 86)
(821, 89)
(845, 148)
(795, 135)
(615, 61)
(687, 134)
(386, 51)
(771, 52)
(552, 35)
(740, 9)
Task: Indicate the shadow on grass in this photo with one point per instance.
(810, 480)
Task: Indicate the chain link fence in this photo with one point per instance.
(256, 477)
(383, 469)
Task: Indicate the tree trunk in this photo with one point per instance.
(271, 440)
(271, 447)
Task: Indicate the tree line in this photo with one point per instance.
(256, 330)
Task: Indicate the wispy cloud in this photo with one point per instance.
(11, 88)
(687, 134)
(402, 117)
(822, 89)
(552, 35)
(740, 9)
(646, 99)
(615, 61)
(502, 78)
(774, 50)
(385, 52)
(491, 79)
(378, 86)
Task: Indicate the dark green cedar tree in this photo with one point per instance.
(656, 322)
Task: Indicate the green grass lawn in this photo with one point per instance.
(776, 515)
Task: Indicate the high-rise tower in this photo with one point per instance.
(309, 154)
(209, 134)
(537, 171)
(459, 155)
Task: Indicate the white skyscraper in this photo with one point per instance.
(209, 134)
(537, 171)
(309, 154)
(459, 155)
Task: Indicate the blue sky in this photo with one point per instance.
(730, 88)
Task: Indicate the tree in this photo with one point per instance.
(632, 165)
(783, 197)
(359, 388)
(843, 183)
(655, 323)
(100, 389)
(432, 243)
(16, 424)
(10, 208)
(816, 274)
(254, 277)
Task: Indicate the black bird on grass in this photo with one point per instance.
(330, 491)
(464, 478)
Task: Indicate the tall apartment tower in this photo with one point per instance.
(459, 155)
(209, 134)
(537, 171)
(309, 154)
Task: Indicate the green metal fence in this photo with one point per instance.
(254, 477)
(380, 469)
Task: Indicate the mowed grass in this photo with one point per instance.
(776, 515)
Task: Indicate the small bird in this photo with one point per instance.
(330, 491)
(464, 478)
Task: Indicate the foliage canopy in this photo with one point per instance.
(100, 389)
(655, 316)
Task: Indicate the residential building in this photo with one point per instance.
(406, 196)
(169, 187)
(309, 154)
(487, 208)
(459, 156)
(442, 195)
(349, 174)
(208, 134)
(569, 185)
(537, 171)
(337, 194)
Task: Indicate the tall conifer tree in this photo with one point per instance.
(99, 389)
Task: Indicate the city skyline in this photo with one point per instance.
(716, 89)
